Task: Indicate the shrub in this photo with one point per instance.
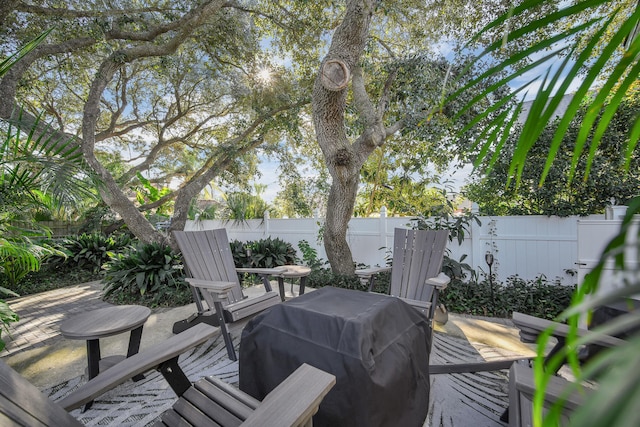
(51, 277)
(310, 256)
(89, 251)
(325, 277)
(7, 316)
(264, 253)
(240, 255)
(149, 274)
(539, 297)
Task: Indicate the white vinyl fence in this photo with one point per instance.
(528, 246)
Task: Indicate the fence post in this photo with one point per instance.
(382, 236)
(267, 217)
(477, 249)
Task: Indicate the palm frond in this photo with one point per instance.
(581, 63)
(597, 52)
(7, 63)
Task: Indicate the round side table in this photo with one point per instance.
(293, 272)
(105, 322)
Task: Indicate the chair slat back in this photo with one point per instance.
(22, 404)
(417, 256)
(207, 255)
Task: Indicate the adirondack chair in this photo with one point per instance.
(521, 383)
(208, 401)
(416, 275)
(214, 279)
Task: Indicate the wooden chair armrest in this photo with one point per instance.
(217, 287)
(531, 327)
(440, 281)
(139, 363)
(368, 272)
(276, 271)
(295, 400)
(522, 388)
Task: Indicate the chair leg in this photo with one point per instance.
(281, 288)
(175, 376)
(303, 283)
(134, 345)
(225, 333)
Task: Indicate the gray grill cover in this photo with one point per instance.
(376, 346)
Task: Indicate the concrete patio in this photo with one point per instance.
(56, 365)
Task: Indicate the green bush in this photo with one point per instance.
(263, 253)
(322, 277)
(7, 315)
(89, 251)
(240, 255)
(51, 277)
(148, 274)
(539, 297)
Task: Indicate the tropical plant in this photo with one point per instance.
(148, 193)
(264, 253)
(7, 63)
(310, 255)
(594, 44)
(149, 272)
(326, 277)
(7, 316)
(37, 173)
(458, 226)
(243, 206)
(18, 255)
(539, 297)
(91, 251)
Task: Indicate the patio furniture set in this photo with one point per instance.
(344, 357)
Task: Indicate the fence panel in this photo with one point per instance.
(528, 246)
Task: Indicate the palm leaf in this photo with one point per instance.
(557, 83)
(6, 64)
(602, 50)
(44, 160)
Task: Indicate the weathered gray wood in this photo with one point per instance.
(251, 306)
(21, 404)
(522, 389)
(208, 258)
(207, 255)
(531, 327)
(471, 367)
(105, 322)
(217, 287)
(292, 403)
(151, 358)
(416, 276)
(214, 278)
(295, 400)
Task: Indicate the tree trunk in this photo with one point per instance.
(343, 158)
(342, 196)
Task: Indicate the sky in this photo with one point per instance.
(454, 177)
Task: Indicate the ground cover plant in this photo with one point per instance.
(539, 297)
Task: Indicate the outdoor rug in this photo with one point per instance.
(456, 400)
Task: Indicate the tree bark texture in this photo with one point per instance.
(345, 158)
